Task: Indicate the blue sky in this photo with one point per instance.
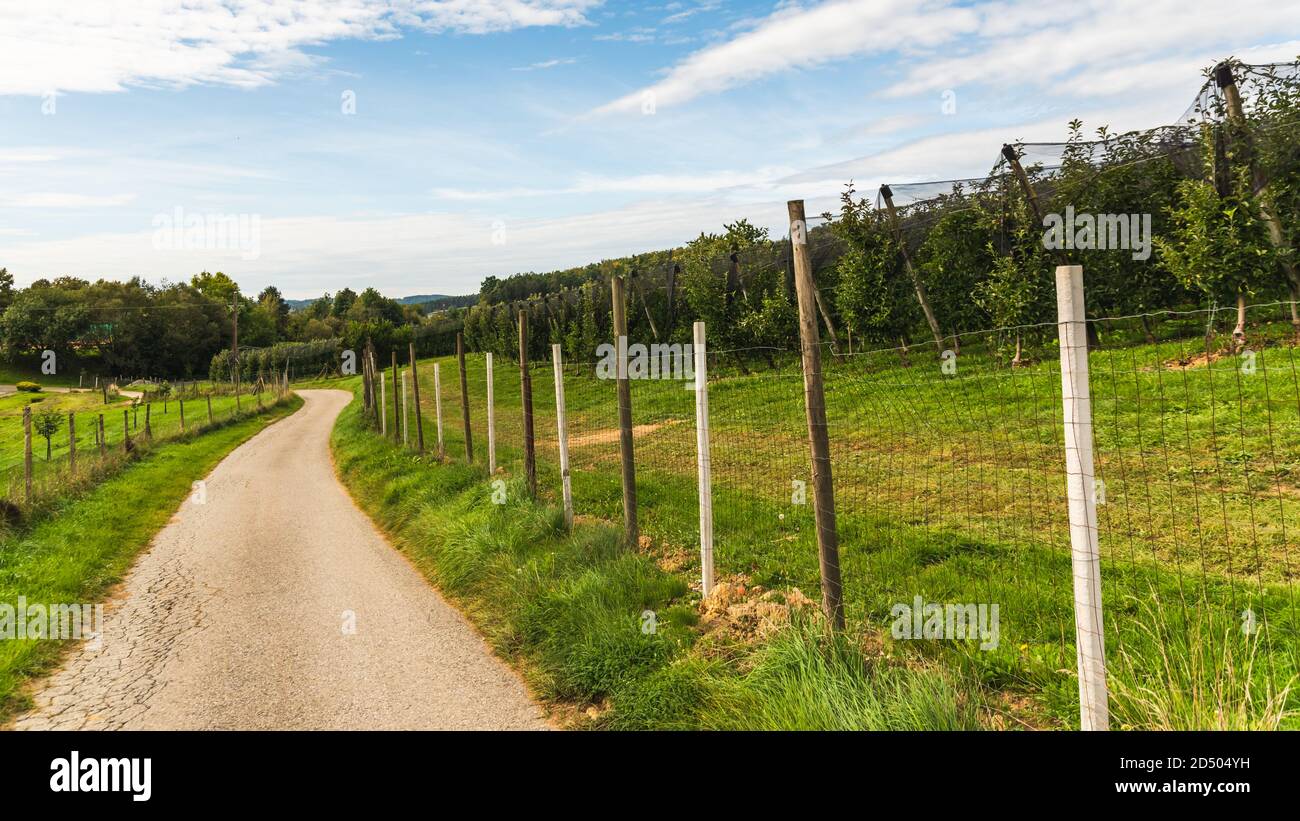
(495, 136)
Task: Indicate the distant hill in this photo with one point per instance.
(440, 301)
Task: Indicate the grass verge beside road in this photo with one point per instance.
(613, 638)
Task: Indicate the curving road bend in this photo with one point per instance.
(276, 604)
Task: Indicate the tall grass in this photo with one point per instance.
(1208, 674)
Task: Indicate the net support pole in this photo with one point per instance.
(1085, 555)
(526, 396)
(464, 398)
(828, 546)
(562, 426)
(27, 453)
(415, 396)
(704, 464)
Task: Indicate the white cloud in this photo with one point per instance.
(1096, 47)
(14, 157)
(795, 37)
(1115, 38)
(699, 183)
(95, 46)
(401, 254)
(545, 64)
(60, 199)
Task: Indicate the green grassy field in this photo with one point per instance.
(950, 487)
(74, 551)
(164, 419)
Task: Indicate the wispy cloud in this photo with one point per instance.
(706, 182)
(103, 47)
(1103, 45)
(795, 37)
(60, 199)
(545, 64)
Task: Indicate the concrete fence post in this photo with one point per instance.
(1085, 554)
(492, 418)
(704, 463)
(437, 406)
(557, 363)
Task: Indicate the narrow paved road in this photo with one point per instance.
(239, 615)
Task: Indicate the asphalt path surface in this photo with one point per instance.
(270, 601)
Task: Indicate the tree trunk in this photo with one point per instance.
(1150, 332)
(1015, 360)
(1094, 339)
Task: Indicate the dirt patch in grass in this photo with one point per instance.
(749, 613)
(605, 437)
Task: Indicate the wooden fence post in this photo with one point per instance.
(383, 406)
(464, 397)
(437, 406)
(404, 422)
(148, 425)
(415, 387)
(1085, 554)
(624, 412)
(491, 416)
(209, 407)
(376, 375)
(815, 406)
(72, 443)
(526, 389)
(126, 430)
(181, 403)
(103, 440)
(557, 362)
(27, 453)
(703, 460)
(367, 390)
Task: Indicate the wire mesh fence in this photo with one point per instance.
(959, 469)
(950, 488)
(73, 421)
